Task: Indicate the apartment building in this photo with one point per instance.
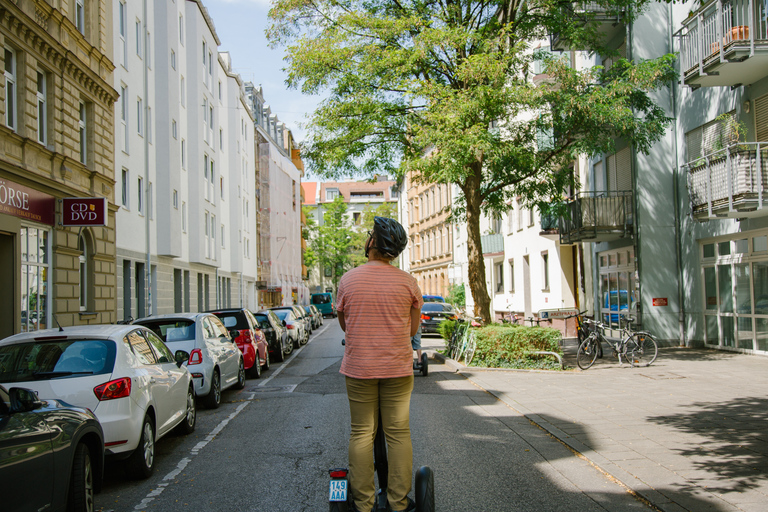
(677, 238)
(185, 158)
(57, 145)
(358, 196)
(279, 169)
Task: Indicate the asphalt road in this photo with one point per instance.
(269, 446)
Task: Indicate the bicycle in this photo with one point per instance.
(463, 342)
(639, 347)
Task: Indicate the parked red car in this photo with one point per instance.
(250, 340)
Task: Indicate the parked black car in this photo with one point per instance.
(280, 345)
(51, 454)
(432, 313)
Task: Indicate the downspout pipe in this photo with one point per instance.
(148, 199)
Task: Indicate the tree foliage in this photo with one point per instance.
(331, 240)
(360, 236)
(407, 78)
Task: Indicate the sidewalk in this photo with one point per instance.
(689, 432)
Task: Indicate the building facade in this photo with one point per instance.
(57, 131)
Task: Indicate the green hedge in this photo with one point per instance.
(512, 346)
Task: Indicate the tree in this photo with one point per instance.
(331, 240)
(310, 256)
(414, 77)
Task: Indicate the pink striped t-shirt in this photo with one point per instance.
(376, 299)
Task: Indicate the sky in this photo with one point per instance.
(240, 25)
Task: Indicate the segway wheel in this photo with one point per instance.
(425, 490)
(424, 365)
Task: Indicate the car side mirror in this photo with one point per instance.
(284, 324)
(23, 400)
(181, 357)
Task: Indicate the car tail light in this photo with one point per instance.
(425, 317)
(338, 473)
(119, 388)
(196, 357)
(291, 326)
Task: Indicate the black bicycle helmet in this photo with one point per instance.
(388, 237)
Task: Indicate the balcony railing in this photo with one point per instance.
(731, 182)
(492, 244)
(597, 217)
(725, 43)
(607, 23)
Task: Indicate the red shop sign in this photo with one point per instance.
(26, 203)
(84, 211)
(662, 301)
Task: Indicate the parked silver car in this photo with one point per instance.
(295, 326)
(215, 362)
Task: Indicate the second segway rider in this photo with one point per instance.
(379, 306)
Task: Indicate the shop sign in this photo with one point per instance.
(26, 203)
(660, 301)
(84, 211)
(549, 314)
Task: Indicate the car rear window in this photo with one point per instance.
(437, 306)
(321, 299)
(55, 359)
(281, 313)
(172, 330)
(233, 320)
(263, 321)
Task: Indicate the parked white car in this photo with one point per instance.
(125, 374)
(215, 362)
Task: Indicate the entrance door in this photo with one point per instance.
(7, 300)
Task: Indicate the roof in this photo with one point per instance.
(310, 190)
(363, 188)
(90, 331)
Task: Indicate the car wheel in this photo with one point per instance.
(287, 347)
(266, 360)
(80, 497)
(213, 398)
(280, 353)
(141, 463)
(255, 371)
(190, 417)
(240, 384)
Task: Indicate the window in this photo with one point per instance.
(125, 190)
(85, 271)
(83, 134)
(173, 59)
(331, 194)
(139, 38)
(183, 217)
(80, 16)
(140, 116)
(221, 138)
(174, 131)
(149, 124)
(219, 90)
(123, 29)
(124, 115)
(183, 93)
(499, 274)
(10, 89)
(175, 199)
(183, 154)
(149, 201)
(545, 270)
(210, 64)
(222, 236)
(140, 195)
(512, 276)
(181, 29)
(210, 117)
(205, 50)
(211, 182)
(356, 218)
(205, 177)
(42, 108)
(207, 235)
(35, 272)
(221, 187)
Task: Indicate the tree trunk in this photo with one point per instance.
(476, 270)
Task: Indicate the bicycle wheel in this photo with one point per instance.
(471, 346)
(587, 353)
(642, 349)
(461, 347)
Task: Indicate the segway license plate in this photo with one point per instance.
(338, 490)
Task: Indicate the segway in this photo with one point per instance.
(340, 499)
(422, 364)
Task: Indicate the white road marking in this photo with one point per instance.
(154, 493)
(293, 356)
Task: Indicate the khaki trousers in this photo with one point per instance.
(393, 398)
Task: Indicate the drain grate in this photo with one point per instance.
(274, 389)
(662, 376)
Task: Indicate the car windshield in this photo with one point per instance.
(263, 321)
(282, 314)
(321, 299)
(45, 360)
(171, 330)
(437, 306)
(233, 320)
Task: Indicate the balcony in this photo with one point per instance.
(730, 182)
(597, 217)
(549, 222)
(492, 244)
(608, 23)
(724, 43)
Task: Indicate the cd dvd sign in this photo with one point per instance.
(84, 211)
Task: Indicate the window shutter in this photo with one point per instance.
(693, 141)
(624, 169)
(761, 118)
